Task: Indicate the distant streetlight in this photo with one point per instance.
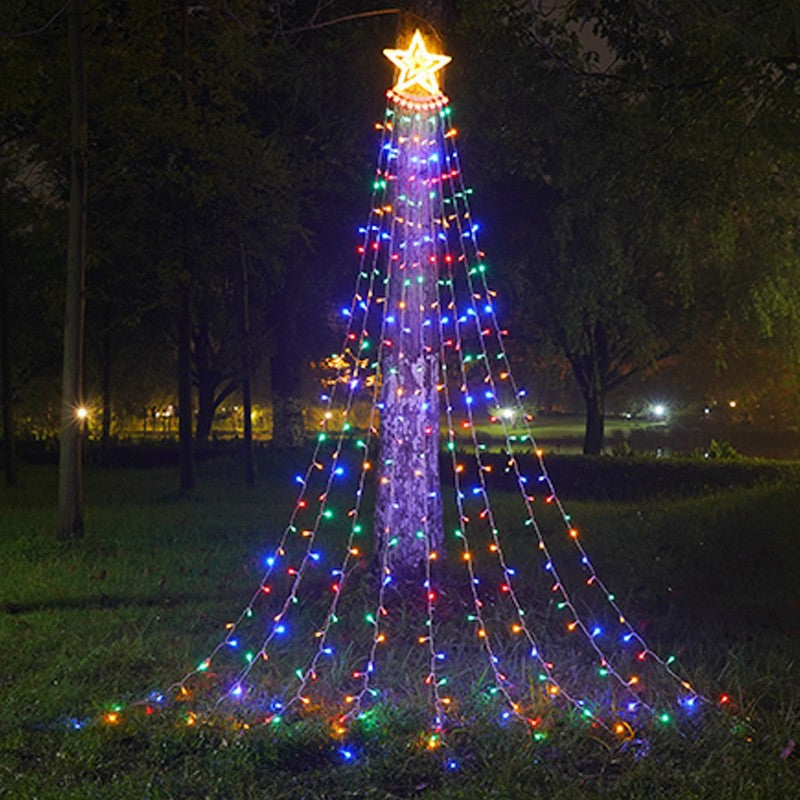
(82, 413)
(659, 411)
(732, 404)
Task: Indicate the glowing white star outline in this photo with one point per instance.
(417, 66)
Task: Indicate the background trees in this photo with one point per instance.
(635, 163)
(650, 175)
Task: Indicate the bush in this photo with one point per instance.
(637, 477)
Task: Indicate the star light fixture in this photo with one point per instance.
(417, 83)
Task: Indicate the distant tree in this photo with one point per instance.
(321, 101)
(70, 465)
(7, 398)
(188, 183)
(640, 158)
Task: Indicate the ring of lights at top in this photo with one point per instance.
(417, 86)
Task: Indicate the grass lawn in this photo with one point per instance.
(713, 578)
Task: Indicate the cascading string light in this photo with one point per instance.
(358, 301)
(552, 497)
(405, 251)
(379, 638)
(340, 574)
(520, 625)
(377, 616)
(470, 233)
(311, 534)
(432, 678)
(482, 631)
(398, 235)
(558, 585)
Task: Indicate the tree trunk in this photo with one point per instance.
(288, 425)
(409, 501)
(204, 380)
(185, 391)
(105, 438)
(205, 417)
(408, 507)
(186, 454)
(9, 443)
(595, 422)
(70, 478)
(247, 404)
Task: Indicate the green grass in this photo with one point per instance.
(712, 578)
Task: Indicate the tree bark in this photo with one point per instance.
(204, 380)
(595, 422)
(185, 449)
(247, 404)
(288, 425)
(186, 454)
(70, 477)
(9, 441)
(408, 507)
(105, 438)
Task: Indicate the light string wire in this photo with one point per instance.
(452, 158)
(594, 577)
(387, 542)
(536, 650)
(430, 140)
(550, 566)
(381, 612)
(461, 533)
(341, 573)
(311, 535)
(356, 302)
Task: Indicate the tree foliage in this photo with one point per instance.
(651, 191)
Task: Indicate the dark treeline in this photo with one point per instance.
(635, 163)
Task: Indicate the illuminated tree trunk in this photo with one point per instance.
(409, 503)
(70, 477)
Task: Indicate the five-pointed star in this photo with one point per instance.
(417, 66)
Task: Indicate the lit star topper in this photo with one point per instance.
(418, 68)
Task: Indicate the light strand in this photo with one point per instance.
(471, 235)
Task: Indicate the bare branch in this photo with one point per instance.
(313, 25)
(44, 27)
